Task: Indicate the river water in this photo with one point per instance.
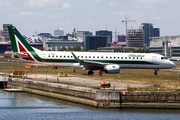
(24, 106)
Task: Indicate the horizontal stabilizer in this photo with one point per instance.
(20, 55)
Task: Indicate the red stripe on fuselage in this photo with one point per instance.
(22, 50)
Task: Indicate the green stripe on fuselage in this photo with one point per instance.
(100, 61)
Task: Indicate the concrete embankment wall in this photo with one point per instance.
(138, 99)
(63, 97)
(81, 95)
(100, 98)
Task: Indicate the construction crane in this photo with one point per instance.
(126, 23)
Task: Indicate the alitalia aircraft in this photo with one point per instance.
(107, 62)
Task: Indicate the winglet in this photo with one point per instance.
(77, 59)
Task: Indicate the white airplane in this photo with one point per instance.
(107, 62)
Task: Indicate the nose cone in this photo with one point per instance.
(172, 64)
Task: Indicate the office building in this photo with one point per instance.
(48, 35)
(134, 38)
(104, 33)
(5, 32)
(156, 32)
(121, 38)
(82, 34)
(169, 46)
(93, 42)
(57, 42)
(59, 32)
(149, 32)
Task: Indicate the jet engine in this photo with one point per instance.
(112, 68)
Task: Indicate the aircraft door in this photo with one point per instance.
(43, 57)
(154, 59)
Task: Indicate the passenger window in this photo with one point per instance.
(81, 56)
(97, 56)
(101, 56)
(53, 56)
(106, 57)
(56, 55)
(93, 56)
(137, 58)
(121, 57)
(64, 56)
(49, 56)
(78, 56)
(141, 57)
(60, 56)
(71, 56)
(110, 57)
(114, 57)
(85, 56)
(125, 57)
(129, 57)
(118, 57)
(133, 57)
(89, 56)
(68, 56)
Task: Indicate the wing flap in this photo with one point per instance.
(88, 64)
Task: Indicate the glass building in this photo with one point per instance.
(169, 46)
(149, 32)
(104, 33)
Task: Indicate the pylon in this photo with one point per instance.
(46, 77)
(84, 82)
(57, 79)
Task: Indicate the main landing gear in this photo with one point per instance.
(155, 71)
(90, 72)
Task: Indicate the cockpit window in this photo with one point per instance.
(163, 58)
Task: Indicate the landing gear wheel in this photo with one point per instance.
(90, 72)
(155, 73)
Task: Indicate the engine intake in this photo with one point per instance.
(113, 68)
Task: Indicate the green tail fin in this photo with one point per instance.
(16, 37)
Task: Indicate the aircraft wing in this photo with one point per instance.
(89, 64)
(20, 55)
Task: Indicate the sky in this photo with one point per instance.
(45, 16)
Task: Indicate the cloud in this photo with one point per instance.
(111, 4)
(121, 13)
(96, 1)
(170, 11)
(143, 6)
(24, 13)
(65, 6)
(150, 1)
(157, 18)
(41, 3)
(90, 23)
(5, 3)
(118, 13)
(55, 17)
(39, 14)
(10, 9)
